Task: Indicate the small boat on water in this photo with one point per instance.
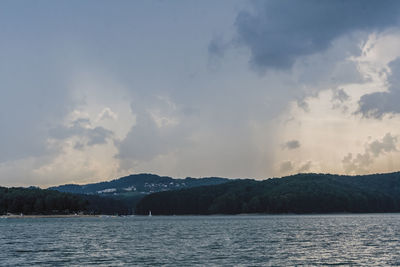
(149, 213)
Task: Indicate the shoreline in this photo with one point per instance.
(48, 216)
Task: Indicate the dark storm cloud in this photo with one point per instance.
(376, 105)
(277, 32)
(292, 144)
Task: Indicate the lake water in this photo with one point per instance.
(366, 239)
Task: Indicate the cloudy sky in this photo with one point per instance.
(94, 90)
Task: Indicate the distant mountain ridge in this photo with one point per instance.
(138, 184)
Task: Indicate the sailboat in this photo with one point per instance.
(149, 213)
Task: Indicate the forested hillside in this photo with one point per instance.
(302, 193)
(38, 201)
(137, 184)
(18, 200)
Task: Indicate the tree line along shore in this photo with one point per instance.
(298, 194)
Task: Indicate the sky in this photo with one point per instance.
(94, 90)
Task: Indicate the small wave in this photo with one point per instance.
(34, 251)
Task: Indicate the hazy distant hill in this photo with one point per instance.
(301, 193)
(137, 184)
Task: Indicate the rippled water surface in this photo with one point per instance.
(202, 240)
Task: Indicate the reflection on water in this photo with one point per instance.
(204, 240)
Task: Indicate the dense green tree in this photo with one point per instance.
(302, 193)
(38, 201)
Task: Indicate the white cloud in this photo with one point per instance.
(286, 166)
(305, 167)
(82, 129)
(363, 161)
(107, 114)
